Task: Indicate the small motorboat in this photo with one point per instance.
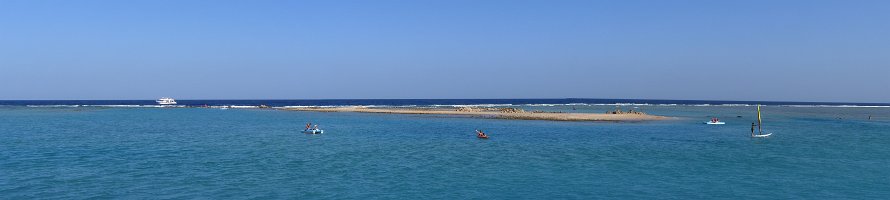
(715, 121)
(313, 131)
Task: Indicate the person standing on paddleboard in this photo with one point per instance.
(752, 129)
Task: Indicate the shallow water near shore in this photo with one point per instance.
(96, 152)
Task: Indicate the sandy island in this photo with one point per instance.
(498, 113)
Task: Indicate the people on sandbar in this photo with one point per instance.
(619, 111)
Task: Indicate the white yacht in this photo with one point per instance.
(166, 101)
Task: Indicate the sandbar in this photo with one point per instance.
(498, 113)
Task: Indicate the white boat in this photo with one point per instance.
(166, 101)
(715, 121)
(760, 133)
(313, 131)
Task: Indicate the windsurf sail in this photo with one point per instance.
(759, 121)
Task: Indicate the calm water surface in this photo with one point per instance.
(150, 153)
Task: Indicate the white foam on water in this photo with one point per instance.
(52, 106)
(121, 106)
(832, 106)
(244, 107)
(730, 105)
(544, 105)
(471, 105)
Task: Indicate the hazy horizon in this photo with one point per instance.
(249, 99)
(798, 51)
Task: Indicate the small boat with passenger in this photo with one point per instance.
(481, 135)
(715, 121)
(313, 131)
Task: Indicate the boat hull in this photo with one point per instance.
(314, 131)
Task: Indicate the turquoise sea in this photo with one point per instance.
(95, 152)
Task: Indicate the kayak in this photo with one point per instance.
(482, 137)
(313, 131)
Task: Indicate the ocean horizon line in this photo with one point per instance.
(434, 101)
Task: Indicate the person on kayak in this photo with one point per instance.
(316, 127)
(308, 125)
(480, 133)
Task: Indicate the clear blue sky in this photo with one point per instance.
(720, 50)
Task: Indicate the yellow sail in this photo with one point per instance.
(758, 114)
(759, 121)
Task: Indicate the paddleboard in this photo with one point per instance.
(763, 136)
